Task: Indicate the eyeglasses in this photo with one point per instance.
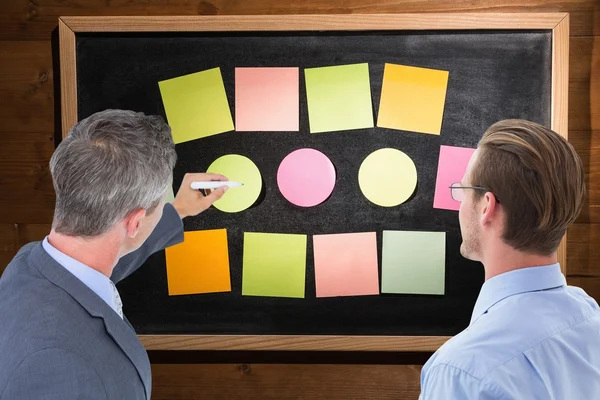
(459, 195)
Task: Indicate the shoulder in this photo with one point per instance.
(59, 374)
(514, 326)
(448, 381)
(19, 261)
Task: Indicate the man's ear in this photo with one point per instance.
(490, 208)
(133, 221)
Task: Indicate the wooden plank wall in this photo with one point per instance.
(27, 132)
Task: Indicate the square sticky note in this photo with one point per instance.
(346, 264)
(200, 264)
(267, 99)
(196, 105)
(452, 165)
(412, 99)
(339, 98)
(274, 265)
(413, 262)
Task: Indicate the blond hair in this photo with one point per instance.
(537, 177)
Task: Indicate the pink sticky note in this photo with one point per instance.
(452, 165)
(267, 99)
(306, 177)
(346, 264)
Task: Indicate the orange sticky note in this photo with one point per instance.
(412, 99)
(200, 264)
(346, 264)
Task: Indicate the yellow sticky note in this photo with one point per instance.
(274, 265)
(200, 264)
(241, 169)
(196, 105)
(412, 99)
(387, 177)
(339, 98)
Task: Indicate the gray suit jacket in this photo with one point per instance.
(59, 340)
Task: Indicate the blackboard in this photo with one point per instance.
(494, 74)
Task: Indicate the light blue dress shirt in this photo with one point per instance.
(531, 337)
(96, 281)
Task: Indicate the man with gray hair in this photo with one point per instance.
(63, 333)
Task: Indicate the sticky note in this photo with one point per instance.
(413, 262)
(267, 99)
(196, 105)
(274, 265)
(412, 99)
(306, 177)
(346, 264)
(200, 264)
(387, 177)
(339, 98)
(241, 169)
(452, 165)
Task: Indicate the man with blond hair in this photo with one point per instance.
(63, 333)
(531, 336)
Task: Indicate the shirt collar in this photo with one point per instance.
(96, 281)
(522, 280)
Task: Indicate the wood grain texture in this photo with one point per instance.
(285, 381)
(591, 284)
(26, 87)
(27, 191)
(587, 145)
(584, 105)
(293, 343)
(584, 251)
(27, 233)
(584, 58)
(34, 20)
(560, 77)
(68, 77)
(311, 22)
(8, 244)
(560, 100)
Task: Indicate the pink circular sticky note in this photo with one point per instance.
(306, 177)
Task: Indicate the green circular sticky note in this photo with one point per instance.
(387, 177)
(241, 169)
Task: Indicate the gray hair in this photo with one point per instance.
(112, 163)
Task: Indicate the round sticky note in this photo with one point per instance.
(387, 177)
(306, 177)
(239, 169)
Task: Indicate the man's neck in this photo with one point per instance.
(100, 253)
(505, 259)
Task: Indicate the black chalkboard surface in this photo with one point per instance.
(493, 75)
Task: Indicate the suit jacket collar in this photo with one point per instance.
(120, 331)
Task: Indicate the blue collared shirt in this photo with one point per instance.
(96, 281)
(531, 337)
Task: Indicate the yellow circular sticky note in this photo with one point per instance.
(241, 169)
(387, 177)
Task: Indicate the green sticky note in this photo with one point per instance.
(274, 265)
(196, 105)
(241, 169)
(339, 98)
(413, 262)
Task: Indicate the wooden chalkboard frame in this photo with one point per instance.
(558, 23)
